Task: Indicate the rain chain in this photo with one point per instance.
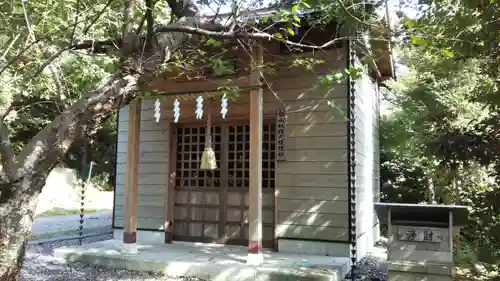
(82, 203)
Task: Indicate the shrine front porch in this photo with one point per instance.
(207, 261)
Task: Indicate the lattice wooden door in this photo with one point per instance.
(238, 184)
(212, 206)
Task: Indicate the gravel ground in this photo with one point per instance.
(40, 265)
(371, 268)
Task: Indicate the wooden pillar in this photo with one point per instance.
(170, 194)
(255, 188)
(132, 173)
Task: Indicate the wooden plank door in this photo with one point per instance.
(212, 206)
(197, 205)
(236, 230)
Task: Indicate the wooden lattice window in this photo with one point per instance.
(239, 156)
(190, 146)
(268, 156)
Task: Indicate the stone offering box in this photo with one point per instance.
(420, 239)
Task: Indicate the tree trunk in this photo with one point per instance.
(16, 218)
(18, 198)
(40, 154)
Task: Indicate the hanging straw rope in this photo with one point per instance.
(208, 160)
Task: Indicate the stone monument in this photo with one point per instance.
(420, 240)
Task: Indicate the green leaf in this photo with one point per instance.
(354, 72)
(222, 67)
(290, 31)
(417, 40)
(447, 52)
(278, 35)
(212, 42)
(16, 9)
(409, 23)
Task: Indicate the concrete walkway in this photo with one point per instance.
(44, 225)
(208, 262)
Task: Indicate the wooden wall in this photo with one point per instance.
(367, 163)
(311, 192)
(311, 185)
(153, 168)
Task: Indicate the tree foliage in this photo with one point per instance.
(445, 122)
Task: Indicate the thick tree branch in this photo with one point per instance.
(41, 153)
(103, 47)
(91, 108)
(241, 35)
(94, 46)
(6, 151)
(97, 46)
(128, 17)
(150, 22)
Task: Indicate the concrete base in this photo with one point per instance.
(411, 271)
(208, 262)
(255, 259)
(408, 276)
(314, 248)
(129, 249)
(143, 236)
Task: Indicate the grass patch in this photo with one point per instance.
(54, 234)
(56, 211)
